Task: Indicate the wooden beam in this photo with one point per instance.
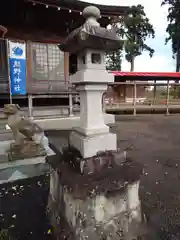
(66, 67)
(28, 64)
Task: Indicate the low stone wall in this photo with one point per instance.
(68, 122)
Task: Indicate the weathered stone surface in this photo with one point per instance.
(28, 149)
(91, 35)
(106, 177)
(102, 160)
(98, 216)
(100, 205)
(21, 168)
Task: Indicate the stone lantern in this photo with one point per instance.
(91, 42)
(94, 187)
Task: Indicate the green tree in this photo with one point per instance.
(114, 60)
(175, 92)
(173, 28)
(136, 30)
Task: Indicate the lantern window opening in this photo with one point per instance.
(96, 58)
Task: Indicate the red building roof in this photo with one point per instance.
(147, 75)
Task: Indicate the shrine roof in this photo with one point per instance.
(75, 5)
(49, 20)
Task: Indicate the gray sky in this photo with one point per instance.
(162, 59)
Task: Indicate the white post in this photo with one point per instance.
(154, 91)
(70, 105)
(30, 106)
(134, 98)
(167, 99)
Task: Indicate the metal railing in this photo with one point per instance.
(165, 104)
(157, 104)
(51, 111)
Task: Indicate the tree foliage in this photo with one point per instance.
(134, 28)
(114, 60)
(173, 28)
(137, 29)
(174, 92)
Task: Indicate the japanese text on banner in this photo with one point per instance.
(17, 65)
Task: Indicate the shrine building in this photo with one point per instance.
(42, 25)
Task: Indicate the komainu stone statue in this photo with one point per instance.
(29, 138)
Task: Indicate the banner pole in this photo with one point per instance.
(9, 79)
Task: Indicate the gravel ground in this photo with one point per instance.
(154, 141)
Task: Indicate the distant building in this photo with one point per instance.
(123, 90)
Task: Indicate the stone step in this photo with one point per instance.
(58, 123)
(5, 135)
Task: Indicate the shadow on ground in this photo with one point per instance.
(153, 141)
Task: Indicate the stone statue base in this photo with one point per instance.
(27, 149)
(11, 171)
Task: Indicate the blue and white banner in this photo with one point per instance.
(17, 68)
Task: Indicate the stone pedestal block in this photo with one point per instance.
(103, 216)
(89, 146)
(96, 205)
